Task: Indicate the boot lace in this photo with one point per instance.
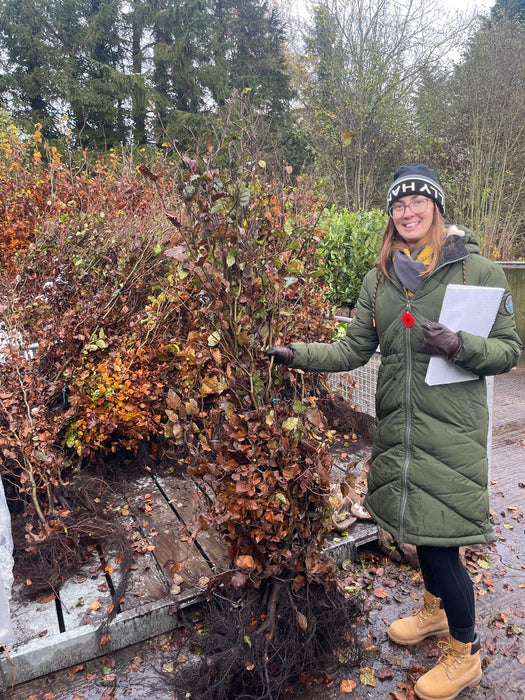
(451, 658)
(425, 610)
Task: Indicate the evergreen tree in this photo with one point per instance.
(138, 24)
(205, 51)
(66, 57)
(180, 51)
(512, 9)
(104, 62)
(248, 43)
(97, 87)
(31, 65)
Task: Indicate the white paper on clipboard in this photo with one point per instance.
(465, 308)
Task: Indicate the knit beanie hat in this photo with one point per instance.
(415, 178)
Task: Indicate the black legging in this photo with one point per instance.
(445, 577)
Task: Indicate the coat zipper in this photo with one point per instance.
(408, 428)
(408, 424)
(450, 262)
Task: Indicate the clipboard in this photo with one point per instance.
(465, 308)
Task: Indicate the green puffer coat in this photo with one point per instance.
(428, 476)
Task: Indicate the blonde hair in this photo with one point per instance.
(392, 242)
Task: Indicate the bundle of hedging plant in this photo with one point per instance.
(38, 186)
(75, 367)
(348, 250)
(135, 327)
(244, 276)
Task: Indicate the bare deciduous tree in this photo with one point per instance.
(489, 108)
(362, 63)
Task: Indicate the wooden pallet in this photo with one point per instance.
(63, 631)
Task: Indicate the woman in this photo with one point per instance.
(428, 477)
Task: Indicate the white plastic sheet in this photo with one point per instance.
(7, 636)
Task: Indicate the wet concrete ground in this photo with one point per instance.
(144, 671)
(498, 572)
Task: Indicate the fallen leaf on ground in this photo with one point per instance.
(385, 673)
(367, 676)
(380, 593)
(75, 669)
(347, 686)
(104, 640)
(46, 599)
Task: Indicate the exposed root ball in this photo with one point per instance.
(256, 645)
(81, 525)
(345, 419)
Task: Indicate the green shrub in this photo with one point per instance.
(348, 250)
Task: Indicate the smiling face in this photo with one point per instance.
(414, 228)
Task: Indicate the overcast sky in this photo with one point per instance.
(481, 5)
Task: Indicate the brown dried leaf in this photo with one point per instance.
(46, 599)
(75, 669)
(104, 640)
(302, 621)
(380, 593)
(238, 579)
(178, 253)
(347, 686)
(385, 673)
(144, 170)
(245, 561)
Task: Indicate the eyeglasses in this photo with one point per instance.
(416, 206)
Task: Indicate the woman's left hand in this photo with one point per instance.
(440, 340)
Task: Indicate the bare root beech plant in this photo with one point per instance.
(243, 277)
(148, 326)
(80, 267)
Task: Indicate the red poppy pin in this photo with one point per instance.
(408, 320)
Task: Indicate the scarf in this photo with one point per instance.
(409, 267)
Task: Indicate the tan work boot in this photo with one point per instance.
(459, 667)
(427, 620)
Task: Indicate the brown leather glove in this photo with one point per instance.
(281, 355)
(440, 340)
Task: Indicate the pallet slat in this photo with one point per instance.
(41, 622)
(85, 598)
(36, 659)
(182, 494)
(162, 528)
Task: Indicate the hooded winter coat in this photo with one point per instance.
(427, 483)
